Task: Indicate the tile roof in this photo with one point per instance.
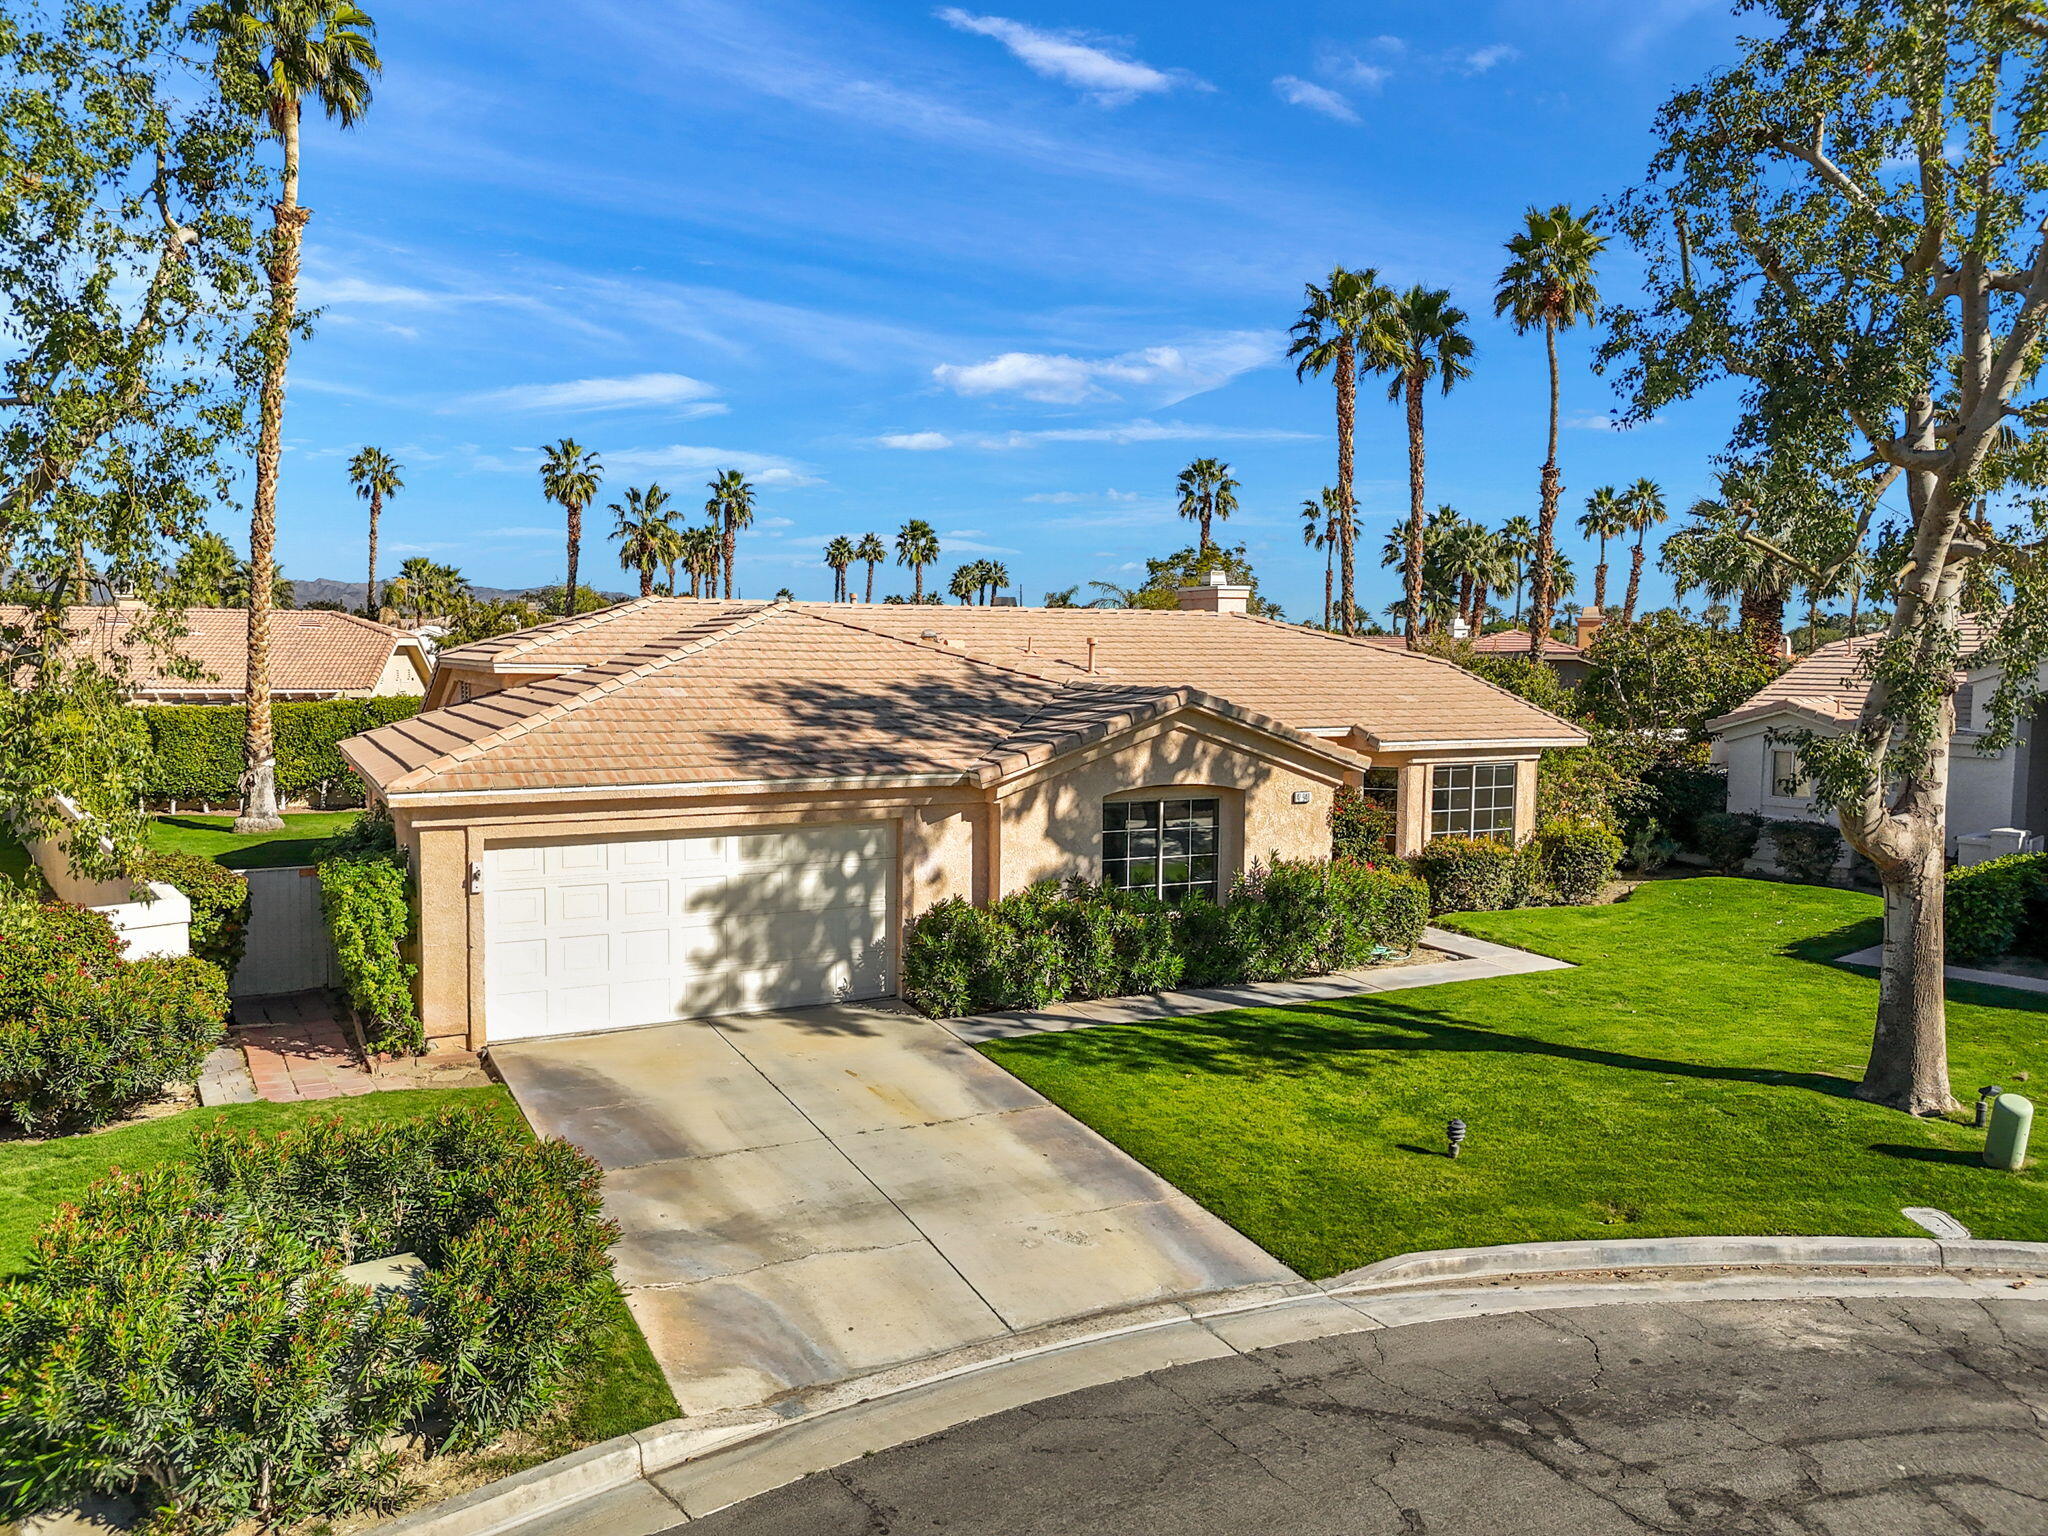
(312, 651)
(780, 693)
(1830, 684)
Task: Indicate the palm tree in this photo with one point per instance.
(700, 547)
(839, 554)
(426, 589)
(732, 508)
(375, 475)
(1114, 596)
(1207, 493)
(1712, 555)
(967, 582)
(1548, 282)
(1645, 503)
(647, 534)
(871, 552)
(569, 477)
(1517, 541)
(279, 52)
(1349, 311)
(917, 546)
(1426, 341)
(1323, 526)
(1606, 517)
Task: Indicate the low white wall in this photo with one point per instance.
(159, 926)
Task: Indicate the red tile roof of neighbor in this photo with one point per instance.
(1513, 642)
(780, 693)
(1830, 684)
(312, 651)
(663, 691)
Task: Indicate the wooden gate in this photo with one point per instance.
(288, 949)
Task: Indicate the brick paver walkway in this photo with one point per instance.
(298, 1048)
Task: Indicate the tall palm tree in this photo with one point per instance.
(1645, 503)
(1207, 494)
(839, 554)
(1319, 530)
(569, 477)
(966, 583)
(700, 546)
(1350, 309)
(1606, 517)
(375, 475)
(1548, 282)
(1517, 541)
(279, 52)
(871, 552)
(917, 546)
(732, 508)
(995, 577)
(1426, 341)
(426, 589)
(646, 529)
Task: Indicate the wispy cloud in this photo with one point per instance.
(1165, 374)
(1070, 498)
(1594, 421)
(1297, 92)
(679, 458)
(914, 442)
(1480, 60)
(1067, 57)
(675, 393)
(1142, 430)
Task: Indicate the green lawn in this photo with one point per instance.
(304, 837)
(1692, 1076)
(619, 1387)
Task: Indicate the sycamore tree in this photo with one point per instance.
(1849, 223)
(128, 194)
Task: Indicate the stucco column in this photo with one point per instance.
(441, 870)
(1411, 808)
(1525, 798)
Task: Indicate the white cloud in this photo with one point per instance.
(1480, 60)
(1166, 374)
(970, 544)
(1297, 92)
(675, 393)
(914, 442)
(1142, 430)
(319, 292)
(1064, 57)
(1594, 421)
(1069, 498)
(679, 458)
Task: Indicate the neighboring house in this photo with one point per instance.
(314, 654)
(1996, 800)
(1567, 658)
(679, 807)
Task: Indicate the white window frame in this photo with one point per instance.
(1196, 804)
(1802, 786)
(1445, 792)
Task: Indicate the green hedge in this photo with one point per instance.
(1999, 907)
(184, 1333)
(365, 896)
(86, 1035)
(1727, 839)
(220, 904)
(1574, 863)
(1566, 864)
(1806, 850)
(1055, 942)
(196, 749)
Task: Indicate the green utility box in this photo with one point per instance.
(2005, 1141)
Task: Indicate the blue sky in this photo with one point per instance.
(1004, 268)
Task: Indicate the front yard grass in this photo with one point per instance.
(1692, 1076)
(619, 1386)
(302, 841)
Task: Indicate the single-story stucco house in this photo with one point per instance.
(314, 654)
(1997, 801)
(679, 807)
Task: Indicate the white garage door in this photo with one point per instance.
(605, 935)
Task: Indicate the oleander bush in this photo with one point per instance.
(186, 1332)
(1055, 942)
(1999, 907)
(220, 904)
(86, 1035)
(1807, 851)
(195, 750)
(1361, 827)
(1727, 839)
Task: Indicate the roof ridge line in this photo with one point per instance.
(572, 624)
(470, 750)
(959, 652)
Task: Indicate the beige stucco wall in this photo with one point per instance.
(403, 673)
(444, 688)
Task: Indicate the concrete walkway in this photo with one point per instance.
(1873, 958)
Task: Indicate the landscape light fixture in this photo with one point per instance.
(1454, 1133)
(1985, 1095)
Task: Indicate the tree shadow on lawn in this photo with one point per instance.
(1952, 1155)
(1292, 1040)
(1828, 948)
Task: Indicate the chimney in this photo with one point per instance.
(1590, 620)
(1216, 594)
(1460, 630)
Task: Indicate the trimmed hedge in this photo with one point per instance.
(220, 904)
(1806, 850)
(365, 896)
(196, 749)
(185, 1331)
(86, 1035)
(1476, 874)
(1999, 907)
(1727, 839)
(1574, 863)
(1053, 942)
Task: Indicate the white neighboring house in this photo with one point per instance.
(1997, 801)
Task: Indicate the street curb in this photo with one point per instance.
(694, 1466)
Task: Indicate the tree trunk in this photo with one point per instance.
(575, 551)
(1411, 571)
(647, 580)
(1763, 618)
(1329, 580)
(728, 543)
(1600, 581)
(1635, 582)
(1541, 597)
(1347, 415)
(259, 750)
(1908, 1066)
(370, 590)
(871, 583)
(917, 582)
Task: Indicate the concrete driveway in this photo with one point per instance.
(810, 1195)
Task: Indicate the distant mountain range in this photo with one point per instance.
(351, 594)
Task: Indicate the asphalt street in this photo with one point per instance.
(1844, 1418)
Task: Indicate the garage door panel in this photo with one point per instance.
(605, 935)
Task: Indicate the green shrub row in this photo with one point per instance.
(196, 749)
(185, 1332)
(220, 904)
(365, 897)
(85, 1034)
(1999, 907)
(1055, 942)
(1566, 864)
(1806, 850)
